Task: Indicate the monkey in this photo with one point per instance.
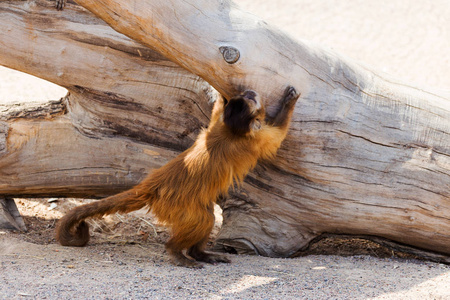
(182, 193)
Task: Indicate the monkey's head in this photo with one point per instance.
(244, 113)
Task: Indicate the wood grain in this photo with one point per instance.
(129, 109)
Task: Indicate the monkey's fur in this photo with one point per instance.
(183, 192)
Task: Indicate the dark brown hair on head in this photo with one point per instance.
(237, 116)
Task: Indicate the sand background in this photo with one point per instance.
(126, 260)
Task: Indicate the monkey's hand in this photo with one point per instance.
(286, 107)
(60, 4)
(290, 97)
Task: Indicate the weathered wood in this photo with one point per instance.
(9, 215)
(366, 154)
(129, 110)
(227, 27)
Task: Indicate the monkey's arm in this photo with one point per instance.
(287, 103)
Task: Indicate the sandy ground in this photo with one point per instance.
(126, 258)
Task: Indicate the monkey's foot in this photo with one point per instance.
(210, 258)
(179, 259)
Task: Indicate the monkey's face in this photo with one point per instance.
(243, 114)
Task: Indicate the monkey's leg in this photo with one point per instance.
(198, 252)
(188, 233)
(287, 103)
(175, 248)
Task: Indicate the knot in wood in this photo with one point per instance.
(230, 54)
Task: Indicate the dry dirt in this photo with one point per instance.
(126, 259)
(141, 228)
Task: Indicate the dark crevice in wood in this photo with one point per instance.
(349, 245)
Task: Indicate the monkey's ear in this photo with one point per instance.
(256, 125)
(225, 101)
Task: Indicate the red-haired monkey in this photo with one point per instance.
(182, 193)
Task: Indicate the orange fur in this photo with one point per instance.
(182, 193)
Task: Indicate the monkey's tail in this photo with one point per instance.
(72, 230)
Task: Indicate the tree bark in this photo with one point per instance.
(9, 215)
(129, 109)
(366, 154)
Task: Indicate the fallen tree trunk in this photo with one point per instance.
(9, 215)
(366, 154)
(129, 109)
